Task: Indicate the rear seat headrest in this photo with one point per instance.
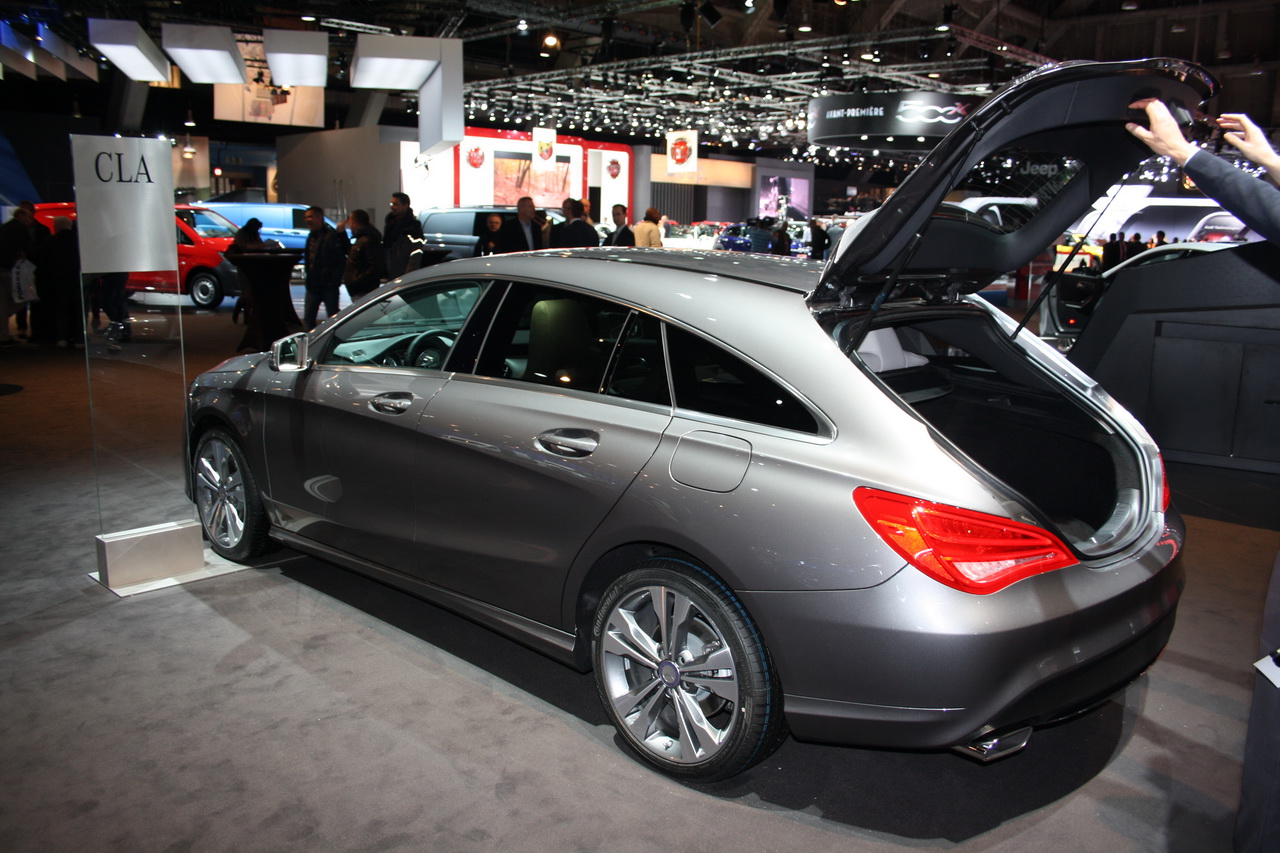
(882, 351)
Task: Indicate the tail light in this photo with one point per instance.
(967, 550)
(1165, 494)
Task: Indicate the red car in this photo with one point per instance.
(203, 273)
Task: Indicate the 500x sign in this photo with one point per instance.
(920, 112)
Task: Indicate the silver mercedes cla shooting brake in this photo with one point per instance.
(754, 495)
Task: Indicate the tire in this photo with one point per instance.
(227, 498)
(205, 290)
(654, 677)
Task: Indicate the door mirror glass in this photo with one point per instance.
(290, 354)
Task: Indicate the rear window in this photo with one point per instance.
(1006, 190)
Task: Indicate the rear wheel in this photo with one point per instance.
(205, 290)
(683, 673)
(227, 498)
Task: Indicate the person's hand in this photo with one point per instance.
(1165, 137)
(1248, 138)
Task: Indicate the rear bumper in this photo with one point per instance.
(934, 728)
(913, 664)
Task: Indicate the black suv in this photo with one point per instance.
(459, 228)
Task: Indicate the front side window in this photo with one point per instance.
(415, 327)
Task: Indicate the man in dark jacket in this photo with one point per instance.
(522, 234)
(818, 241)
(622, 234)
(325, 261)
(574, 231)
(366, 263)
(58, 318)
(401, 237)
(15, 245)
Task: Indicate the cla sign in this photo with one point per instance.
(110, 167)
(124, 194)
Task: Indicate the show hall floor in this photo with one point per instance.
(296, 706)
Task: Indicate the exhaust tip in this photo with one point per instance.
(991, 745)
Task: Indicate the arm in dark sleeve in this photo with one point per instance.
(1254, 202)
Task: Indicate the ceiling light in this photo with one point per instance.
(310, 19)
(129, 49)
(17, 51)
(523, 26)
(354, 26)
(64, 53)
(191, 119)
(550, 40)
(297, 57)
(1129, 6)
(205, 54)
(393, 62)
(1178, 27)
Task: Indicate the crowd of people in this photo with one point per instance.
(49, 311)
(360, 257)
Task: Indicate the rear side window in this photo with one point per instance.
(300, 218)
(450, 222)
(554, 337)
(709, 379)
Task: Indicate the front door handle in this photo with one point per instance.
(395, 403)
(574, 443)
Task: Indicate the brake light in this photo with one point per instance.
(967, 550)
(1165, 495)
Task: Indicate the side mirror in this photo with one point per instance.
(289, 355)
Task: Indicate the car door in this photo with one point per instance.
(341, 439)
(524, 457)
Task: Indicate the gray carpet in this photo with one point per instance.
(295, 706)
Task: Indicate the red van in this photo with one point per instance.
(203, 273)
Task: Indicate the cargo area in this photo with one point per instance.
(985, 396)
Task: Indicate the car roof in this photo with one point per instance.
(733, 289)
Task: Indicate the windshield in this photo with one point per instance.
(206, 223)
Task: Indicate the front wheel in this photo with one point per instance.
(205, 290)
(683, 673)
(227, 498)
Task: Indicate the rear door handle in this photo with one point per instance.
(394, 403)
(574, 443)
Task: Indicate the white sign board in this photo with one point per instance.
(124, 204)
(682, 151)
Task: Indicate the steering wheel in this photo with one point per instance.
(428, 351)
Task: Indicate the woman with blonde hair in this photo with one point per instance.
(647, 231)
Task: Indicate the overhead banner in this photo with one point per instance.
(682, 151)
(124, 204)
(846, 119)
(544, 149)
